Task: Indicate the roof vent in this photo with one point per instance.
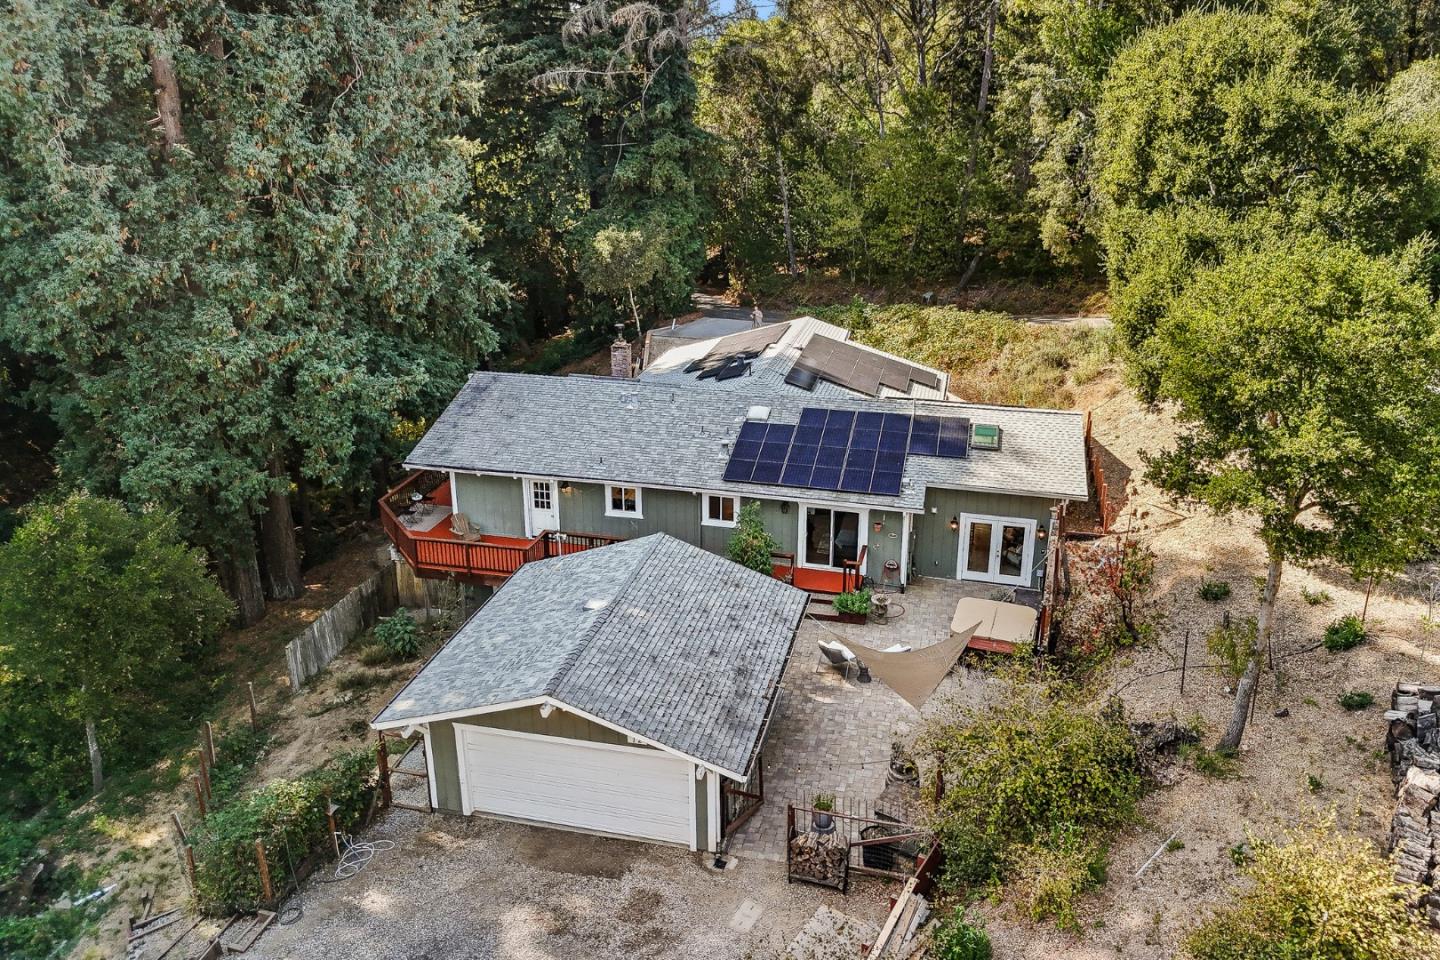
(757, 413)
(596, 604)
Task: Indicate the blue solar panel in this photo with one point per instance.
(856, 481)
(954, 438)
(842, 450)
(747, 449)
(739, 471)
(813, 418)
(888, 460)
(796, 474)
(804, 453)
(775, 451)
(925, 436)
(864, 440)
(860, 460)
(767, 472)
(753, 430)
(885, 483)
(891, 440)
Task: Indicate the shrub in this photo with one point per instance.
(236, 753)
(1212, 763)
(1049, 876)
(855, 601)
(375, 655)
(1213, 590)
(288, 816)
(956, 938)
(1344, 633)
(1040, 755)
(399, 634)
(1355, 700)
(1315, 598)
(751, 544)
(1317, 894)
(1113, 605)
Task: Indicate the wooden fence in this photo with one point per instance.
(356, 612)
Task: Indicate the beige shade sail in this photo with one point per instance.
(916, 674)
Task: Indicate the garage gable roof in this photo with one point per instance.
(653, 636)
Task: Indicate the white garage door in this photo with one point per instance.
(629, 791)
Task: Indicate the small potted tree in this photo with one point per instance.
(820, 820)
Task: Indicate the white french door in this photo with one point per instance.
(996, 549)
(542, 509)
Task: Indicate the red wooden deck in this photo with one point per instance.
(815, 581)
(441, 553)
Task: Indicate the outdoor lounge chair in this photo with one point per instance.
(838, 655)
(460, 526)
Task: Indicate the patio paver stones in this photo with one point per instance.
(833, 736)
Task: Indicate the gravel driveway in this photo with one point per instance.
(457, 888)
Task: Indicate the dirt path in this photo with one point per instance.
(1317, 760)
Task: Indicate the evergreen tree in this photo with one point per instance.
(231, 237)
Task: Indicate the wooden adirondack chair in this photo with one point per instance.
(460, 526)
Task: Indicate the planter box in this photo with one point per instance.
(838, 617)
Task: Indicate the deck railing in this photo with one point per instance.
(474, 558)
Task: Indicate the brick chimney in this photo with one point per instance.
(621, 363)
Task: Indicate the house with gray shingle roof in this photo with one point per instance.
(852, 486)
(616, 690)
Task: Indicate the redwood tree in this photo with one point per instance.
(231, 242)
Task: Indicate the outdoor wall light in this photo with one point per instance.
(955, 523)
(565, 486)
(1040, 534)
(784, 506)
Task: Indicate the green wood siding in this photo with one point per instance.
(582, 510)
(495, 505)
(937, 547)
(782, 520)
(884, 545)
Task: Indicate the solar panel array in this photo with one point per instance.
(859, 370)
(842, 450)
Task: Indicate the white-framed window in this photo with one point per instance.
(542, 495)
(718, 510)
(622, 501)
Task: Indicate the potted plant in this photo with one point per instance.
(820, 819)
(854, 606)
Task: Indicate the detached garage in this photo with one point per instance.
(613, 691)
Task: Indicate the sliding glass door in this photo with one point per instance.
(830, 537)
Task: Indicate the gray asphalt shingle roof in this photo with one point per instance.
(768, 371)
(686, 650)
(652, 433)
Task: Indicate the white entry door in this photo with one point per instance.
(996, 549)
(542, 509)
(627, 791)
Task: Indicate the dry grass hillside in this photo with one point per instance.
(1317, 759)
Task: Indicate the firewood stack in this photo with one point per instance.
(819, 858)
(1414, 744)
